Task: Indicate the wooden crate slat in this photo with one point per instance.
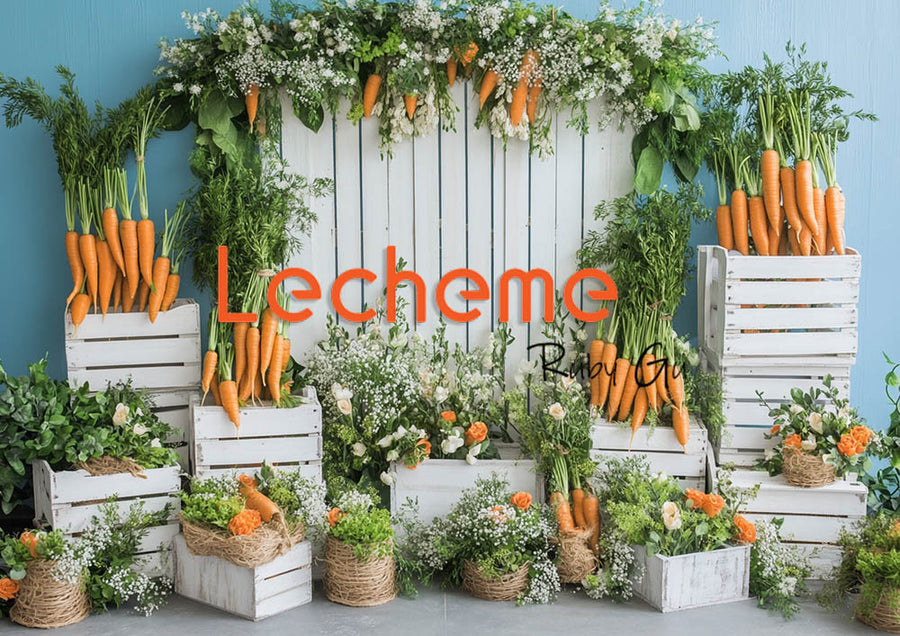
(212, 423)
(807, 528)
(823, 557)
(610, 436)
(156, 564)
(182, 318)
(767, 267)
(739, 388)
(148, 351)
(151, 377)
(74, 519)
(675, 464)
(79, 485)
(308, 470)
(173, 399)
(272, 450)
(299, 557)
(746, 437)
(836, 364)
(758, 292)
(792, 318)
(838, 342)
(777, 497)
(746, 413)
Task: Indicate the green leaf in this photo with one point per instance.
(685, 168)
(311, 116)
(638, 143)
(216, 111)
(686, 117)
(648, 172)
(891, 379)
(661, 87)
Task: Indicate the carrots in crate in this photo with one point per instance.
(638, 413)
(268, 327)
(681, 425)
(592, 518)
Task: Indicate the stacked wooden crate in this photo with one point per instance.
(769, 324)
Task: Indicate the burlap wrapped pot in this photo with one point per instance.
(885, 615)
(352, 581)
(576, 560)
(503, 588)
(805, 470)
(45, 602)
(267, 542)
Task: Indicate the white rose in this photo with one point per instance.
(399, 341)
(155, 443)
(388, 478)
(385, 441)
(671, 516)
(345, 407)
(452, 444)
(556, 411)
(567, 382)
(441, 393)
(359, 449)
(393, 455)
(471, 458)
(139, 430)
(808, 444)
(815, 422)
(121, 414)
(400, 433)
(796, 409)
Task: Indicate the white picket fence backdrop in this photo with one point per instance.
(450, 200)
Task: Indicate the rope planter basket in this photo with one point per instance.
(352, 581)
(576, 560)
(806, 471)
(885, 615)
(45, 602)
(267, 542)
(503, 588)
(106, 465)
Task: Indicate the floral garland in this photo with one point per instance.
(399, 60)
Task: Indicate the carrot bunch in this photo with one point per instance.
(583, 513)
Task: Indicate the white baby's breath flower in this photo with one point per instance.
(359, 449)
(581, 334)
(556, 411)
(345, 407)
(120, 417)
(195, 89)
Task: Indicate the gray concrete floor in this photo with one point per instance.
(452, 612)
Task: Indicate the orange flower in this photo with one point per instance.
(713, 504)
(499, 514)
(794, 440)
(746, 530)
(449, 416)
(8, 589)
(695, 497)
(895, 531)
(426, 445)
(248, 484)
(848, 446)
(30, 541)
(245, 522)
(334, 516)
(476, 433)
(861, 434)
(521, 500)
(775, 429)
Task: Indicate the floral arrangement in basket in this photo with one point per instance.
(494, 543)
(250, 520)
(359, 552)
(53, 580)
(869, 567)
(820, 437)
(109, 431)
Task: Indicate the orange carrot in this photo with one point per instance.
(534, 93)
(784, 244)
(240, 351)
(451, 70)
(410, 101)
(676, 386)
(774, 240)
(262, 504)
(788, 193)
(75, 264)
(617, 382)
(370, 93)
(251, 367)
(111, 230)
(268, 326)
(285, 353)
(160, 276)
(488, 84)
(274, 379)
(821, 221)
(146, 249)
(606, 370)
(804, 192)
(87, 247)
(661, 390)
(578, 507)
(106, 275)
(117, 291)
(805, 238)
(681, 425)
(214, 388)
(639, 412)
(630, 390)
(794, 241)
(228, 396)
(647, 369)
(469, 55)
(210, 361)
(594, 357)
(564, 519)
(592, 518)
(173, 282)
(758, 226)
(251, 101)
(834, 213)
(80, 305)
(128, 234)
(517, 106)
(769, 163)
(723, 227)
(739, 221)
(143, 295)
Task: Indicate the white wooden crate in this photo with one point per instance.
(776, 306)
(662, 450)
(746, 418)
(254, 593)
(813, 517)
(683, 582)
(163, 355)
(436, 484)
(174, 408)
(282, 437)
(67, 500)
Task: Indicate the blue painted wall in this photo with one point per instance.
(111, 46)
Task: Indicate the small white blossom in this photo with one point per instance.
(120, 417)
(796, 409)
(155, 443)
(345, 407)
(386, 441)
(671, 516)
(359, 449)
(815, 422)
(556, 411)
(139, 429)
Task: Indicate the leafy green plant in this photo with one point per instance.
(357, 521)
(884, 486)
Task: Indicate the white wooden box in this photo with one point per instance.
(437, 484)
(254, 593)
(282, 437)
(662, 450)
(813, 517)
(746, 419)
(162, 355)
(174, 408)
(693, 580)
(67, 500)
(777, 306)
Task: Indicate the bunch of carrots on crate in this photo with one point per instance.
(772, 130)
(250, 360)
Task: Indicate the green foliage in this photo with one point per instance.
(213, 501)
(778, 572)
(16, 555)
(884, 486)
(362, 526)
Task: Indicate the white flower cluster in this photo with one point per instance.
(543, 585)
(354, 502)
(779, 563)
(614, 578)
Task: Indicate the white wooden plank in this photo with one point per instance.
(770, 344)
(102, 353)
(568, 210)
(156, 564)
(347, 199)
(746, 413)
(171, 399)
(178, 418)
(778, 388)
(212, 423)
(596, 168)
(791, 318)
(675, 464)
(159, 537)
(74, 519)
(770, 267)
(401, 221)
(74, 486)
(182, 318)
(517, 251)
(244, 451)
(808, 528)
(307, 470)
(286, 601)
(737, 438)
(298, 557)
(375, 237)
(165, 377)
(541, 237)
(793, 293)
(776, 496)
(609, 436)
(283, 582)
(426, 221)
(823, 558)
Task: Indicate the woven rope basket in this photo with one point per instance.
(106, 465)
(351, 581)
(45, 602)
(576, 560)
(503, 588)
(806, 471)
(267, 542)
(885, 616)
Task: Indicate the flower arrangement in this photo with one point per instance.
(778, 572)
(398, 60)
(819, 423)
(493, 531)
(100, 559)
(358, 522)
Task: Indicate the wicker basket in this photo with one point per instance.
(503, 588)
(805, 470)
(576, 560)
(267, 542)
(885, 616)
(45, 602)
(351, 581)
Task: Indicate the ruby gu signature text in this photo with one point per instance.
(395, 279)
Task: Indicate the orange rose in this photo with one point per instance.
(713, 505)
(448, 416)
(8, 589)
(245, 522)
(334, 516)
(426, 445)
(248, 484)
(861, 434)
(775, 429)
(848, 447)
(794, 441)
(695, 497)
(746, 530)
(476, 433)
(30, 541)
(521, 500)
